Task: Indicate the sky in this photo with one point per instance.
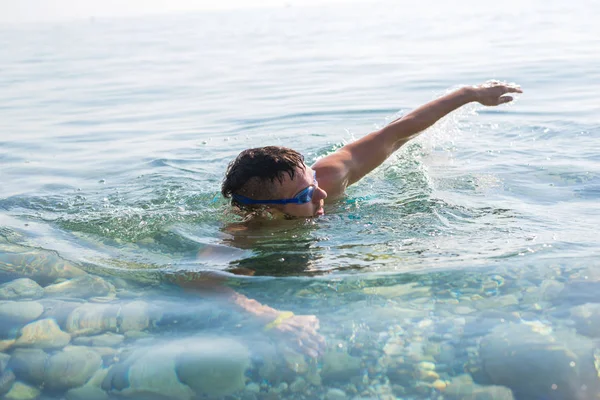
(16, 11)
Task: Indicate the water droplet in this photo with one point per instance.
(554, 386)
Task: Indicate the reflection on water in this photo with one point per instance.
(490, 333)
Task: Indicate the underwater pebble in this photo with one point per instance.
(409, 290)
(105, 340)
(59, 310)
(253, 387)
(294, 360)
(463, 310)
(427, 375)
(497, 302)
(3, 361)
(313, 377)
(71, 367)
(145, 378)
(462, 387)
(215, 367)
(135, 335)
(43, 334)
(439, 385)
(29, 365)
(22, 391)
(83, 287)
(551, 289)
(7, 379)
(6, 344)
(587, 319)
(103, 299)
(91, 318)
(42, 266)
(298, 385)
(530, 362)
(394, 347)
(23, 288)
(283, 387)
(339, 366)
(134, 316)
(19, 312)
(432, 349)
(428, 366)
(188, 368)
(108, 354)
(91, 390)
(390, 313)
(335, 394)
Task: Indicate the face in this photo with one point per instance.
(290, 188)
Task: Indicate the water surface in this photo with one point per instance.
(475, 241)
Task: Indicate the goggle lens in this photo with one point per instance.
(306, 195)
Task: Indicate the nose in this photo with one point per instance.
(319, 195)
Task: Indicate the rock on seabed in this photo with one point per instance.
(536, 365)
(182, 370)
(23, 288)
(83, 287)
(22, 391)
(19, 312)
(587, 319)
(90, 319)
(29, 365)
(43, 267)
(72, 367)
(43, 334)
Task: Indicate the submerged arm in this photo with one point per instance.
(353, 161)
(303, 328)
(211, 283)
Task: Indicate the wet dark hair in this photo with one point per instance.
(254, 171)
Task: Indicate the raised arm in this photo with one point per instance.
(353, 161)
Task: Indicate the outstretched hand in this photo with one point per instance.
(302, 330)
(493, 93)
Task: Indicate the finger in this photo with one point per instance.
(513, 89)
(312, 353)
(286, 328)
(302, 347)
(505, 99)
(306, 348)
(309, 344)
(314, 347)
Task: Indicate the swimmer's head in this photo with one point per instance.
(275, 178)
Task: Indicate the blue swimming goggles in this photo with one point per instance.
(305, 196)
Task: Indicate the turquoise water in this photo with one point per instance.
(463, 268)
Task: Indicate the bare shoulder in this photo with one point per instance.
(333, 173)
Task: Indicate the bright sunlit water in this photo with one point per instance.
(463, 267)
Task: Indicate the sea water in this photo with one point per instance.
(464, 267)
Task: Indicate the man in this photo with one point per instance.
(275, 180)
